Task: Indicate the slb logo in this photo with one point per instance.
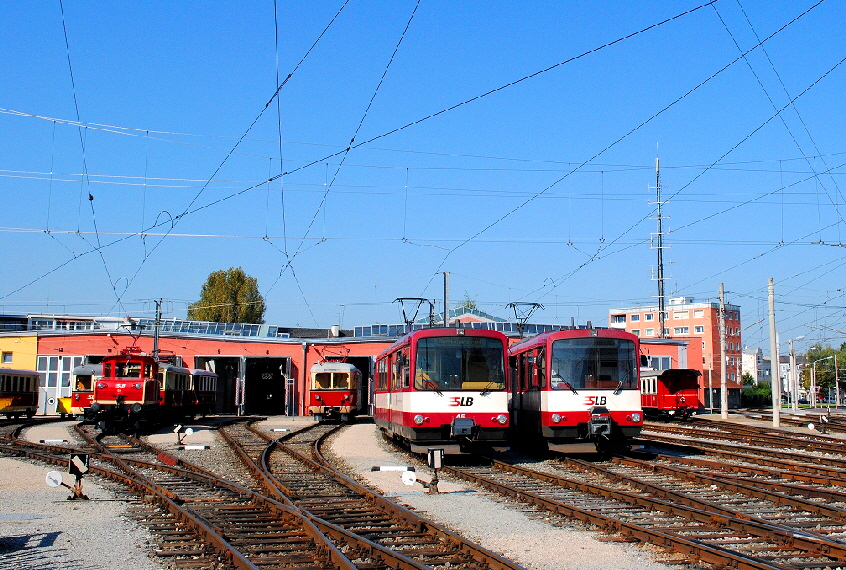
(594, 400)
(463, 401)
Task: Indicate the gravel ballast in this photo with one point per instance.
(40, 529)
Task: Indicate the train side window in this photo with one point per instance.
(107, 370)
(541, 362)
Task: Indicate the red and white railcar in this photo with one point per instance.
(335, 391)
(444, 388)
(670, 394)
(576, 390)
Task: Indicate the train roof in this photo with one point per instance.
(650, 372)
(571, 333)
(443, 331)
(173, 367)
(87, 369)
(196, 371)
(331, 366)
(19, 371)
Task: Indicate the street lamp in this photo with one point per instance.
(794, 385)
(814, 377)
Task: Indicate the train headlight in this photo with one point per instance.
(501, 419)
(136, 407)
(419, 419)
(558, 418)
(137, 386)
(634, 418)
(318, 398)
(101, 385)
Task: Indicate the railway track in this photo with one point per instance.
(296, 513)
(295, 468)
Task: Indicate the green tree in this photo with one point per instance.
(229, 296)
(748, 380)
(468, 302)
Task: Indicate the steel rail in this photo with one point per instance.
(710, 553)
(834, 547)
(413, 520)
(323, 546)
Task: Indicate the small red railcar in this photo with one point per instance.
(444, 388)
(576, 390)
(335, 391)
(671, 393)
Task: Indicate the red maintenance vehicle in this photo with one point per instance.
(136, 389)
(670, 394)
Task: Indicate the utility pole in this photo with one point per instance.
(836, 383)
(156, 324)
(660, 247)
(446, 298)
(723, 375)
(775, 379)
(794, 385)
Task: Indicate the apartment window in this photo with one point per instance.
(649, 317)
(666, 332)
(617, 319)
(7, 358)
(636, 332)
(681, 314)
(699, 329)
(650, 332)
(635, 318)
(681, 330)
(699, 314)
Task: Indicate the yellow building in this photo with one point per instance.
(19, 351)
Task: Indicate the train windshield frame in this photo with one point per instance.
(333, 380)
(594, 363)
(469, 363)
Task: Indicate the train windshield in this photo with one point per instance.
(593, 363)
(130, 369)
(331, 381)
(459, 363)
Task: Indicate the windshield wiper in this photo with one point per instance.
(487, 389)
(619, 388)
(570, 387)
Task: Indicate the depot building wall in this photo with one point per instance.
(276, 370)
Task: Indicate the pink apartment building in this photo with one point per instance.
(699, 324)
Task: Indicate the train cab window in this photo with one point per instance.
(83, 382)
(322, 381)
(459, 363)
(594, 364)
(128, 369)
(107, 370)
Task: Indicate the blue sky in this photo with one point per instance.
(541, 191)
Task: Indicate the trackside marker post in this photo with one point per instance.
(77, 466)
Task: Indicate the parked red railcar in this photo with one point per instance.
(670, 394)
(135, 389)
(335, 391)
(576, 390)
(444, 388)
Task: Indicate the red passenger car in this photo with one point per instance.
(576, 390)
(671, 393)
(443, 388)
(335, 392)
